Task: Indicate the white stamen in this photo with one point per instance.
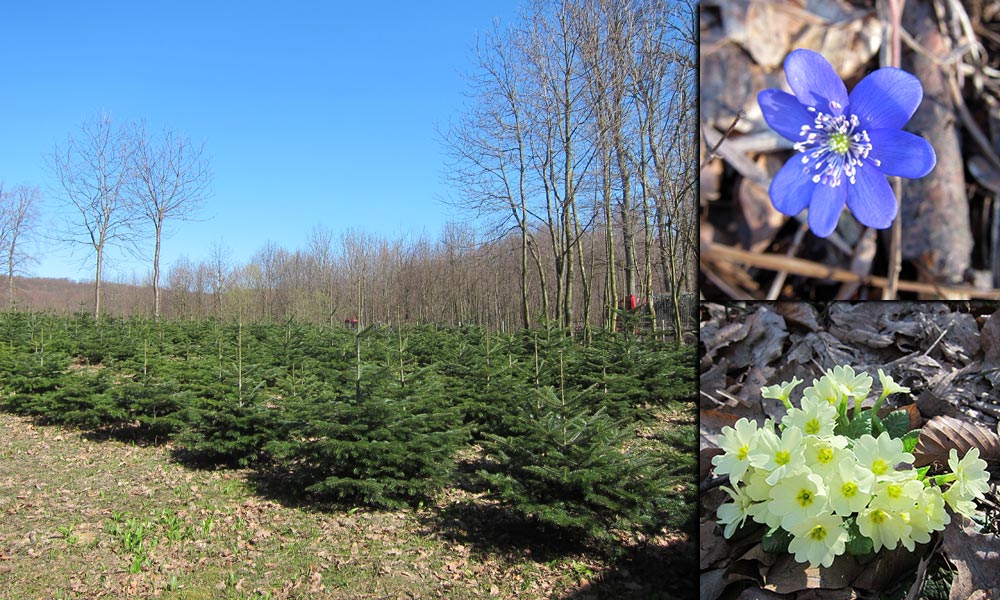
(820, 146)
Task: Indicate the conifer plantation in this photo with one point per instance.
(565, 438)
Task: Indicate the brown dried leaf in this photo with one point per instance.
(942, 433)
(711, 423)
(890, 567)
(712, 584)
(989, 338)
(976, 559)
(788, 575)
(798, 313)
(713, 547)
(705, 461)
(752, 593)
(761, 218)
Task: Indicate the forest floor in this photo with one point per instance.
(97, 518)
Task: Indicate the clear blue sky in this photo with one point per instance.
(312, 112)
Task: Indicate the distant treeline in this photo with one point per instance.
(458, 280)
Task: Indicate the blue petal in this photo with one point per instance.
(901, 153)
(814, 81)
(792, 187)
(871, 198)
(825, 208)
(886, 98)
(784, 113)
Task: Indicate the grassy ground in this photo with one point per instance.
(86, 518)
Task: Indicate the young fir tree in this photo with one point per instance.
(392, 446)
(563, 464)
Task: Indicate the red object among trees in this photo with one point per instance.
(630, 302)
(351, 323)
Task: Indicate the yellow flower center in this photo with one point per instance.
(805, 498)
(894, 491)
(812, 426)
(879, 467)
(742, 453)
(782, 457)
(878, 516)
(849, 489)
(817, 533)
(825, 455)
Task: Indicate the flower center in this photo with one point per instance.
(812, 427)
(805, 498)
(834, 145)
(839, 143)
(825, 455)
(817, 533)
(743, 452)
(849, 489)
(782, 457)
(878, 516)
(879, 467)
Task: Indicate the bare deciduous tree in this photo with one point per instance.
(170, 179)
(19, 213)
(92, 170)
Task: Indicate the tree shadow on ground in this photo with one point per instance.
(649, 572)
(126, 434)
(641, 571)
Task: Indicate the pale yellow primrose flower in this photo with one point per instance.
(928, 515)
(881, 455)
(959, 502)
(818, 539)
(850, 487)
(825, 389)
(824, 453)
(755, 482)
(781, 391)
(759, 491)
(816, 417)
(889, 386)
(972, 478)
(738, 444)
(898, 495)
(883, 525)
(798, 497)
(734, 514)
(780, 456)
(761, 513)
(855, 385)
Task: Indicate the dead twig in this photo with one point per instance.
(895, 10)
(712, 153)
(779, 280)
(714, 252)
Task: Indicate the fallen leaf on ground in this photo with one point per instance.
(942, 434)
(976, 558)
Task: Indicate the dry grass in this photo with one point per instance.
(106, 519)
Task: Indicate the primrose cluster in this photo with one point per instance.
(833, 478)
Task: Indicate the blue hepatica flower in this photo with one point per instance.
(847, 143)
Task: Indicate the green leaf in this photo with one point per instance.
(860, 425)
(910, 440)
(858, 544)
(776, 541)
(897, 423)
(922, 472)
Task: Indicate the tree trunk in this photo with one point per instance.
(156, 271)
(97, 283)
